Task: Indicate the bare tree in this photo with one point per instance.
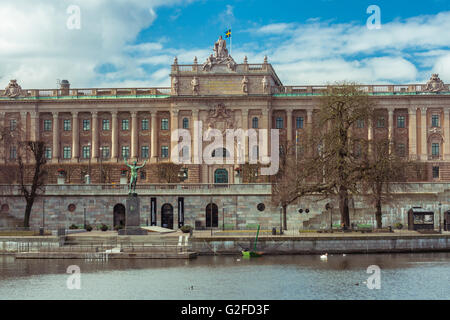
(38, 173)
(168, 172)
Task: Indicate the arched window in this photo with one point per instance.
(185, 123)
(220, 153)
(255, 123)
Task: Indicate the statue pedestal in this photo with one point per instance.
(132, 220)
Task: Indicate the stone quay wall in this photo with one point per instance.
(237, 204)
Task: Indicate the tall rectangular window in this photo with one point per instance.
(105, 124)
(401, 150)
(380, 122)
(67, 125)
(360, 123)
(48, 153)
(435, 172)
(12, 152)
(67, 152)
(185, 123)
(435, 120)
(164, 152)
(279, 123)
(255, 123)
(165, 124)
(400, 121)
(86, 152)
(144, 152)
(47, 125)
(86, 124)
(125, 152)
(12, 124)
(299, 122)
(144, 124)
(105, 152)
(435, 149)
(125, 125)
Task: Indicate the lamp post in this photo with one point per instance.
(89, 163)
(84, 216)
(440, 220)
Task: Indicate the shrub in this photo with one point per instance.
(118, 227)
(186, 229)
(398, 226)
(104, 227)
(88, 228)
(73, 226)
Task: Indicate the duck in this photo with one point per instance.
(324, 256)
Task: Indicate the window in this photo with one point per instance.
(66, 125)
(185, 123)
(400, 121)
(105, 124)
(220, 153)
(47, 125)
(299, 122)
(255, 123)
(12, 152)
(104, 152)
(144, 152)
(12, 124)
(435, 172)
(165, 124)
(67, 152)
(185, 153)
(164, 152)
(401, 150)
(125, 125)
(125, 152)
(380, 122)
(86, 152)
(86, 124)
(435, 149)
(144, 124)
(48, 153)
(360, 123)
(255, 153)
(143, 174)
(435, 120)
(279, 123)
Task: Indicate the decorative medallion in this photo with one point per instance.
(13, 89)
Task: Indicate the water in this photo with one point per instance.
(403, 276)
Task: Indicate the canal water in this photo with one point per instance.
(402, 276)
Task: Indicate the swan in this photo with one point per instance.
(324, 256)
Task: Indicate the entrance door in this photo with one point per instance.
(221, 176)
(447, 221)
(119, 215)
(212, 216)
(167, 216)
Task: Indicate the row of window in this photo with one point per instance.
(86, 124)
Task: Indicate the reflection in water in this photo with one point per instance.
(403, 276)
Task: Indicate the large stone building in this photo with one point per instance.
(87, 130)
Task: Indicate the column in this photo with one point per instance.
(289, 126)
(309, 127)
(114, 136)
(75, 136)
(391, 128)
(173, 127)
(245, 128)
(412, 134)
(134, 135)
(3, 144)
(446, 127)
(55, 132)
(423, 134)
(154, 143)
(370, 134)
(196, 132)
(23, 121)
(34, 134)
(95, 146)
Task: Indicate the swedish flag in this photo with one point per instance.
(228, 33)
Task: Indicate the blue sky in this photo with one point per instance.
(132, 43)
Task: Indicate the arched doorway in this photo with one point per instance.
(212, 216)
(167, 216)
(221, 176)
(119, 215)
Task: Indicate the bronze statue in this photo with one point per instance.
(133, 175)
